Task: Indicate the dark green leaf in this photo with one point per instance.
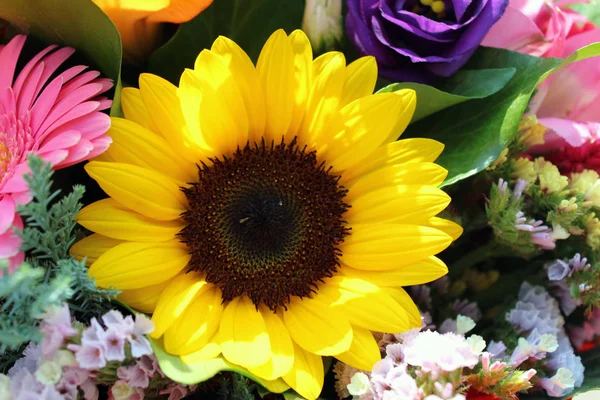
(464, 85)
(476, 131)
(76, 23)
(247, 22)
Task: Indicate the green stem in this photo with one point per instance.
(475, 257)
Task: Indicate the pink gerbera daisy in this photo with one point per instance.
(54, 115)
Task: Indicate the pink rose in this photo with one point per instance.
(537, 27)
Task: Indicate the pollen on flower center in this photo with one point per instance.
(265, 222)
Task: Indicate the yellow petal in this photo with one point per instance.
(397, 204)
(246, 77)
(364, 304)
(366, 125)
(416, 173)
(317, 328)
(423, 271)
(222, 113)
(451, 228)
(92, 247)
(361, 76)
(135, 109)
(174, 299)
(388, 246)
(132, 265)
(322, 108)
(143, 299)
(409, 105)
(307, 375)
(302, 53)
(276, 70)
(134, 144)
(243, 333)
(282, 348)
(408, 304)
(364, 351)
(210, 350)
(160, 96)
(400, 152)
(197, 325)
(111, 219)
(148, 192)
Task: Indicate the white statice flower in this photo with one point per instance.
(560, 384)
(477, 344)
(322, 23)
(432, 351)
(48, 372)
(5, 387)
(359, 384)
(464, 324)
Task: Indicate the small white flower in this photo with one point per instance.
(5, 393)
(65, 358)
(48, 372)
(464, 324)
(477, 344)
(359, 384)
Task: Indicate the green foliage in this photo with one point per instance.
(236, 387)
(462, 86)
(76, 23)
(591, 10)
(247, 22)
(51, 277)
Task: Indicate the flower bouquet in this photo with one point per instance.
(317, 199)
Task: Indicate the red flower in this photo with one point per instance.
(575, 159)
(473, 394)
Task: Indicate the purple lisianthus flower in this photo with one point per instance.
(416, 42)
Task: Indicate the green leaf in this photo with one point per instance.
(464, 85)
(591, 10)
(476, 131)
(76, 23)
(247, 22)
(190, 374)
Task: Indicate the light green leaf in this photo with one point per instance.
(464, 85)
(247, 22)
(591, 10)
(76, 23)
(190, 374)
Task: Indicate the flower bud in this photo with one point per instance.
(322, 23)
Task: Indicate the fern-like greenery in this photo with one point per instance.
(50, 277)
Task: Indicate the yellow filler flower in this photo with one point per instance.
(267, 215)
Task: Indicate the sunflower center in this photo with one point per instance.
(265, 223)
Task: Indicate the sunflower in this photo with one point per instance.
(267, 215)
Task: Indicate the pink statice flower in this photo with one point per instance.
(59, 119)
(56, 326)
(134, 375)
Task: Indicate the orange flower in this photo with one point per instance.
(139, 21)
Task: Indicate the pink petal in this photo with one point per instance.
(581, 40)
(105, 104)
(7, 212)
(24, 74)
(8, 60)
(64, 140)
(16, 183)
(78, 82)
(77, 153)
(53, 61)
(27, 93)
(573, 132)
(63, 113)
(54, 157)
(513, 31)
(44, 104)
(90, 126)
(10, 241)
